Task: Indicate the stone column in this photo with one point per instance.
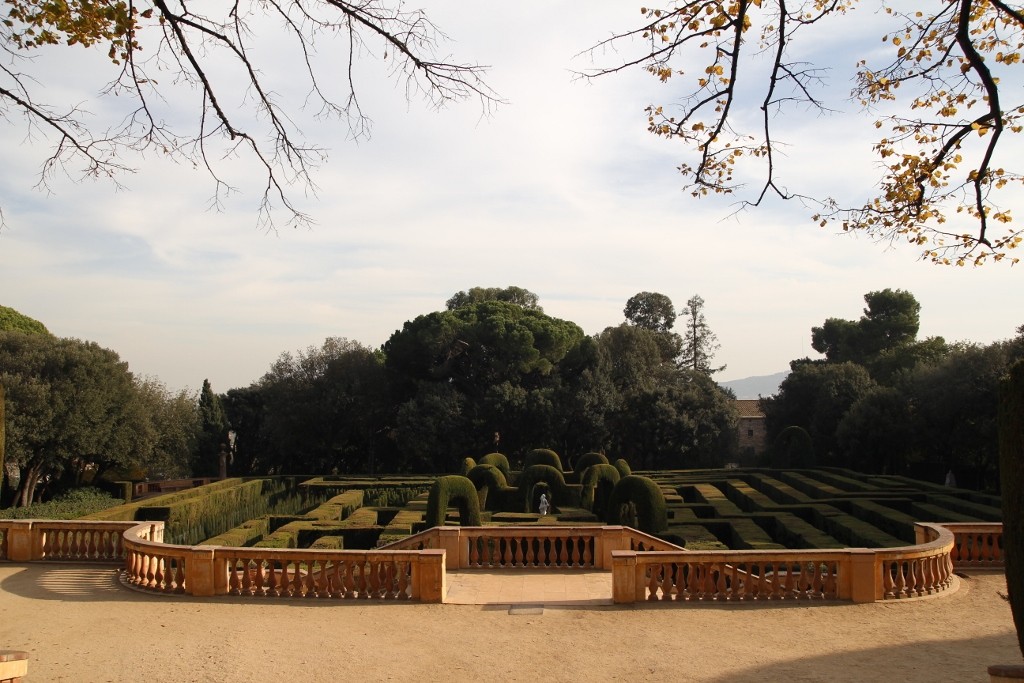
(865, 577)
(624, 569)
(22, 544)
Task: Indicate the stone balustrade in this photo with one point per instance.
(857, 574)
(643, 567)
(532, 547)
(976, 545)
(29, 540)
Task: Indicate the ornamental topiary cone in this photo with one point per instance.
(1011, 474)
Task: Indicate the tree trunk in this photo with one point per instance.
(29, 481)
(1011, 468)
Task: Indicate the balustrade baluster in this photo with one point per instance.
(336, 587)
(531, 557)
(362, 580)
(234, 582)
(653, 580)
(404, 572)
(667, 573)
(588, 555)
(789, 588)
(888, 582)
(350, 584)
(778, 589)
(734, 583)
(901, 579)
(519, 552)
(295, 590)
(563, 552)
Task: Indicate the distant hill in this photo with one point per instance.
(755, 387)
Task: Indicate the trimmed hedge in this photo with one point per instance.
(579, 468)
(487, 479)
(645, 494)
(242, 535)
(543, 456)
(466, 466)
(197, 514)
(452, 489)
(598, 482)
(559, 492)
(500, 461)
(623, 467)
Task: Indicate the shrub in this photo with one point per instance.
(71, 505)
(487, 478)
(500, 461)
(543, 456)
(644, 493)
(623, 467)
(598, 483)
(586, 460)
(466, 466)
(558, 491)
(452, 489)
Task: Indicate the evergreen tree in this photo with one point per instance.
(213, 434)
(699, 342)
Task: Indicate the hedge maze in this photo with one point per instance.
(756, 509)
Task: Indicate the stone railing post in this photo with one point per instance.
(449, 539)
(865, 576)
(430, 582)
(624, 570)
(609, 539)
(201, 576)
(24, 544)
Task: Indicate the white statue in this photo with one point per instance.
(544, 505)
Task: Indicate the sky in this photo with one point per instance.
(559, 190)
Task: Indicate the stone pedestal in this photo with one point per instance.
(13, 666)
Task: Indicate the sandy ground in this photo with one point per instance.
(80, 624)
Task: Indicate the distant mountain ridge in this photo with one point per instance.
(755, 387)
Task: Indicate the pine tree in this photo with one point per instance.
(699, 342)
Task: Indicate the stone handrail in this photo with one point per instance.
(976, 544)
(29, 540)
(857, 574)
(537, 547)
(643, 567)
(275, 572)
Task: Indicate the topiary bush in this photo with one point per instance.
(543, 456)
(585, 461)
(557, 490)
(646, 496)
(792, 448)
(452, 489)
(598, 483)
(487, 479)
(466, 466)
(623, 467)
(500, 461)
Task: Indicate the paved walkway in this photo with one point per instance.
(529, 587)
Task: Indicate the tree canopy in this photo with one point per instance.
(13, 321)
(939, 89)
